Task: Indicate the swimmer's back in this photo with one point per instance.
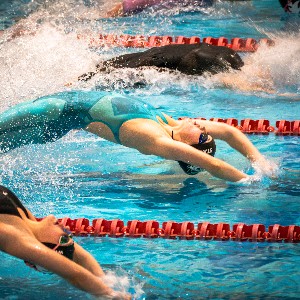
(49, 118)
(45, 119)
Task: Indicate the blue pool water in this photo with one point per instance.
(83, 176)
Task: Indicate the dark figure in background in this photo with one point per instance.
(194, 59)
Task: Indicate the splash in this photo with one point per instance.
(32, 66)
(273, 70)
(123, 284)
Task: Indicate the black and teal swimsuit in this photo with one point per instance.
(49, 118)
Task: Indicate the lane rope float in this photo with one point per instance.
(262, 126)
(183, 230)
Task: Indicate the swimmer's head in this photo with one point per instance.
(206, 144)
(291, 6)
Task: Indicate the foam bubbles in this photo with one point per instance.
(32, 66)
(123, 284)
(274, 69)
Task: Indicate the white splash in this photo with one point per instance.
(32, 66)
(274, 69)
(123, 284)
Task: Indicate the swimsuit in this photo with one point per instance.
(49, 118)
(9, 203)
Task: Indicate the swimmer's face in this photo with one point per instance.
(50, 230)
(190, 131)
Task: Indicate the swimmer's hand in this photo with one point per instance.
(265, 167)
(249, 179)
(116, 296)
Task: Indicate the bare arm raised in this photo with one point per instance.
(19, 238)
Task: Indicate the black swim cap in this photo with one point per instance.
(208, 147)
(67, 251)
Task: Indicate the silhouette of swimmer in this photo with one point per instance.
(191, 59)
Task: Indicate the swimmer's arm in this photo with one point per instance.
(239, 141)
(25, 246)
(234, 137)
(86, 260)
(174, 150)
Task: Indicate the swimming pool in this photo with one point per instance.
(91, 178)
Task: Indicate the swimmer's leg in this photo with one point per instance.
(34, 122)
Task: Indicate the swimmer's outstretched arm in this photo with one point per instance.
(178, 151)
(239, 141)
(17, 241)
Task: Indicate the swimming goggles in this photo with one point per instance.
(64, 240)
(203, 138)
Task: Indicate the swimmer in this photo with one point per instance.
(64, 15)
(132, 123)
(127, 7)
(195, 59)
(47, 245)
(191, 59)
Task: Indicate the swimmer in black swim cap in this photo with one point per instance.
(47, 245)
(206, 144)
(130, 122)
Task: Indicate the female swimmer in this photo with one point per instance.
(129, 122)
(46, 245)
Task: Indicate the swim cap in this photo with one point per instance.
(67, 251)
(208, 147)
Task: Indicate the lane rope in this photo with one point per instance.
(140, 41)
(262, 126)
(182, 231)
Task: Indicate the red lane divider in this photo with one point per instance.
(262, 126)
(184, 230)
(140, 41)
